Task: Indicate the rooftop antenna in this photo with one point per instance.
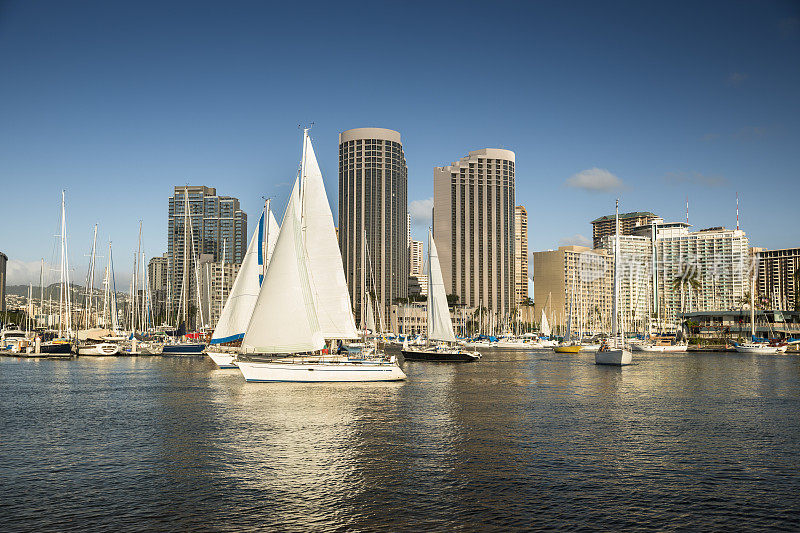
(737, 210)
(687, 208)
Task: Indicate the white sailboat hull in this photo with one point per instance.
(673, 348)
(223, 360)
(758, 349)
(320, 372)
(613, 357)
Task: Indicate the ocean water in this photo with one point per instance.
(516, 442)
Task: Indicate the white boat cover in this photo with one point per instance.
(284, 319)
(440, 325)
(241, 301)
(332, 298)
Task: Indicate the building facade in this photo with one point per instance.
(779, 277)
(628, 222)
(157, 275)
(3, 268)
(216, 281)
(373, 205)
(521, 254)
(217, 225)
(473, 226)
(412, 318)
(576, 278)
(416, 258)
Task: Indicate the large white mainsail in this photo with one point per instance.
(241, 301)
(284, 319)
(440, 325)
(324, 257)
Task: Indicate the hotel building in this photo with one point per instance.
(577, 275)
(521, 253)
(473, 226)
(373, 202)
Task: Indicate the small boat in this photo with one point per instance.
(616, 355)
(56, 347)
(440, 324)
(609, 356)
(183, 348)
(100, 348)
(760, 348)
(567, 348)
(222, 359)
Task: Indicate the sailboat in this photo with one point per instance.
(303, 303)
(616, 355)
(241, 301)
(759, 348)
(440, 325)
(567, 346)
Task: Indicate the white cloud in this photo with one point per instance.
(21, 273)
(595, 180)
(575, 240)
(421, 212)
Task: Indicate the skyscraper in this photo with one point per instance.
(521, 253)
(373, 202)
(216, 222)
(157, 277)
(473, 226)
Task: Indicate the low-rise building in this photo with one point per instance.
(412, 318)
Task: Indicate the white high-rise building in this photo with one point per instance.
(417, 259)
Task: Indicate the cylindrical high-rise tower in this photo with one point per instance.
(373, 202)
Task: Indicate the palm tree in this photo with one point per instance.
(687, 280)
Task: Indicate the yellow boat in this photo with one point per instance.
(574, 348)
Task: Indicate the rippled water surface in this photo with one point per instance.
(518, 441)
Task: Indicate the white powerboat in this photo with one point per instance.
(99, 348)
(760, 348)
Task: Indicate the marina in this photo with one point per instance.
(519, 441)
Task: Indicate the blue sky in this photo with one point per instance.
(118, 102)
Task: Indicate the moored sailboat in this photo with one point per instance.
(303, 301)
(614, 352)
(440, 325)
(241, 301)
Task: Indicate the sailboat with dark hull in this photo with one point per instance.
(440, 325)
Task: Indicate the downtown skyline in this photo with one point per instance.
(119, 105)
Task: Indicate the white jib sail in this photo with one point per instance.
(440, 325)
(332, 298)
(284, 320)
(545, 326)
(241, 301)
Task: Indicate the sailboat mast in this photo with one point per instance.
(41, 289)
(61, 273)
(90, 288)
(614, 319)
(184, 282)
